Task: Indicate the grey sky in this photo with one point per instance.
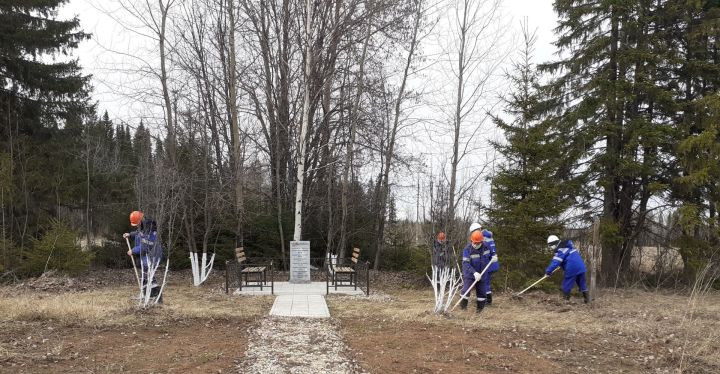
(97, 60)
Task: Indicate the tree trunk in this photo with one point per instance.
(235, 131)
(349, 156)
(164, 81)
(87, 187)
(309, 8)
(384, 186)
(449, 222)
(609, 222)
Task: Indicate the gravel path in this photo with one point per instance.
(296, 345)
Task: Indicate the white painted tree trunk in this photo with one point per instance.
(194, 267)
(332, 262)
(305, 122)
(149, 275)
(446, 283)
(201, 269)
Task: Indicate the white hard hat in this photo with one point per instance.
(474, 226)
(552, 239)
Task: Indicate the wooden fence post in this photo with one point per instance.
(594, 257)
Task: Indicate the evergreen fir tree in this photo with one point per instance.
(697, 186)
(533, 185)
(42, 108)
(616, 114)
(29, 29)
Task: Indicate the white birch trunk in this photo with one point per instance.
(152, 270)
(305, 122)
(164, 282)
(208, 268)
(445, 283)
(202, 267)
(194, 267)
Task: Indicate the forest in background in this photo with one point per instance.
(622, 129)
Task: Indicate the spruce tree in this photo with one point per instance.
(42, 105)
(30, 32)
(534, 185)
(693, 25)
(616, 113)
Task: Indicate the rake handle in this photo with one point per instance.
(132, 258)
(536, 282)
(532, 285)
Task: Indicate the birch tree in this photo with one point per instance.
(309, 9)
(384, 180)
(476, 51)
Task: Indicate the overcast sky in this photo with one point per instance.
(111, 56)
(97, 60)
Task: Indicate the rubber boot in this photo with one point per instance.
(480, 306)
(586, 296)
(488, 300)
(154, 292)
(567, 296)
(463, 304)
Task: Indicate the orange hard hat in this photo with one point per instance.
(476, 237)
(136, 217)
(441, 236)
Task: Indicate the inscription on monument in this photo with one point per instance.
(300, 262)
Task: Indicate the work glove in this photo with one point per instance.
(477, 276)
(494, 258)
(126, 235)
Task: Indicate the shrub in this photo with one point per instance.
(55, 250)
(111, 255)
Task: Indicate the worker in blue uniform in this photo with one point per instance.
(473, 264)
(568, 258)
(490, 255)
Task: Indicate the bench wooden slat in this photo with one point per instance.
(255, 269)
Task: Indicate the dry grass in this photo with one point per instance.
(115, 305)
(648, 330)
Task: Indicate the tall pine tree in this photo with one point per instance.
(693, 35)
(42, 104)
(615, 115)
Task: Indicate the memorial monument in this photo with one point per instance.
(299, 262)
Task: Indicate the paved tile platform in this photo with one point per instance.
(300, 300)
(310, 306)
(286, 288)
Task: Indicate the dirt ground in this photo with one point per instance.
(91, 325)
(188, 346)
(625, 331)
(96, 328)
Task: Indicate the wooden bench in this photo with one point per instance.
(342, 274)
(255, 276)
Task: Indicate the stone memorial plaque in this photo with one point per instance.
(300, 262)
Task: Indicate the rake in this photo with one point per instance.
(518, 296)
(132, 258)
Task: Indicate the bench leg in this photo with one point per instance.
(354, 278)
